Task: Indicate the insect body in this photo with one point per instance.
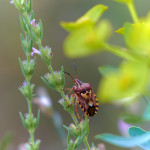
(85, 97)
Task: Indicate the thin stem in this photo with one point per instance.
(119, 52)
(29, 107)
(126, 54)
(62, 94)
(86, 143)
(32, 137)
(29, 101)
(132, 10)
(74, 119)
(51, 70)
(30, 113)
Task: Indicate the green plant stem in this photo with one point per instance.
(74, 119)
(62, 94)
(86, 143)
(29, 107)
(119, 52)
(29, 101)
(32, 137)
(30, 131)
(51, 69)
(126, 54)
(132, 10)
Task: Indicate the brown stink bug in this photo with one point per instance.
(85, 97)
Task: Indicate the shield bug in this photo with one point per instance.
(84, 96)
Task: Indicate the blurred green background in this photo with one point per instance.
(12, 102)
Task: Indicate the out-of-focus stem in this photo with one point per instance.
(133, 12)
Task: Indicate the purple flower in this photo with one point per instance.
(123, 127)
(101, 146)
(11, 2)
(35, 51)
(32, 22)
(24, 83)
(43, 101)
(22, 146)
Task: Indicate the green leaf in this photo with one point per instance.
(132, 119)
(68, 137)
(23, 120)
(29, 8)
(67, 128)
(22, 67)
(7, 139)
(41, 29)
(22, 23)
(88, 40)
(136, 131)
(94, 13)
(47, 83)
(120, 31)
(105, 70)
(89, 18)
(38, 119)
(79, 140)
(125, 142)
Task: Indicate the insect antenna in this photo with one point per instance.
(75, 69)
(70, 76)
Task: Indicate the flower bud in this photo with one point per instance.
(19, 5)
(55, 80)
(26, 89)
(30, 122)
(37, 31)
(68, 104)
(74, 130)
(28, 67)
(80, 130)
(26, 44)
(46, 54)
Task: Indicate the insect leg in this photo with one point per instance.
(85, 113)
(72, 101)
(70, 90)
(76, 101)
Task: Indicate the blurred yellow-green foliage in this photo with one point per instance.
(52, 13)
